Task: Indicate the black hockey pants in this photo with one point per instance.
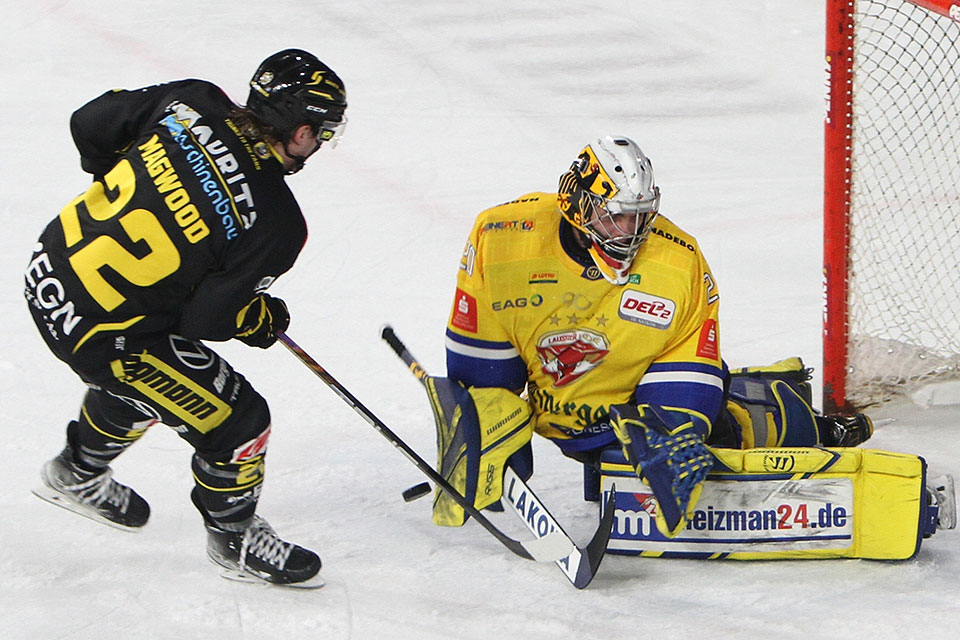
(135, 381)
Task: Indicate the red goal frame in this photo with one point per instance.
(837, 175)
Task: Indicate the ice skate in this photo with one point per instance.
(95, 495)
(257, 554)
(940, 493)
(844, 431)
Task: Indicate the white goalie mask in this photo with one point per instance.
(609, 194)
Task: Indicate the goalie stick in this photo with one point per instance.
(581, 565)
(547, 548)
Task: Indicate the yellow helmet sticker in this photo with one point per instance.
(593, 175)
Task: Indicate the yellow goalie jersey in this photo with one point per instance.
(531, 312)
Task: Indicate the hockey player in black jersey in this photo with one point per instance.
(187, 223)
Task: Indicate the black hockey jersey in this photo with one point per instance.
(186, 221)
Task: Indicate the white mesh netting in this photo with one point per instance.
(904, 286)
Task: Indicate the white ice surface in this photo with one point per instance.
(454, 107)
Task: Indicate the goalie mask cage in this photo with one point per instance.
(891, 199)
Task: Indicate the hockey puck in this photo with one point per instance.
(416, 491)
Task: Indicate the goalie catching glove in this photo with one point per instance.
(478, 429)
(259, 321)
(667, 452)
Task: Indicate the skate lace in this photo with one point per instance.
(102, 489)
(260, 541)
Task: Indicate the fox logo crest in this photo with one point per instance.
(567, 355)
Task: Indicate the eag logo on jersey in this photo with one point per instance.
(567, 355)
(518, 303)
(646, 309)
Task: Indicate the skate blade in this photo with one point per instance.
(52, 496)
(946, 498)
(238, 575)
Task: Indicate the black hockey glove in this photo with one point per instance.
(259, 321)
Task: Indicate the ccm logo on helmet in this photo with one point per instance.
(646, 309)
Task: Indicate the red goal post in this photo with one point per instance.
(891, 202)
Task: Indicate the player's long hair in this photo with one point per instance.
(256, 129)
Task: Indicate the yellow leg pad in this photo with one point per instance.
(782, 503)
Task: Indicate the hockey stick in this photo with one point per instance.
(582, 564)
(542, 549)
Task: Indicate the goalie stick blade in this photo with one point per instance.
(553, 547)
(579, 565)
(597, 547)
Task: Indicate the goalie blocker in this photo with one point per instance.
(788, 503)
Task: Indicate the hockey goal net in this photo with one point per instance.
(892, 202)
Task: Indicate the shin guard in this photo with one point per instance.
(226, 493)
(106, 426)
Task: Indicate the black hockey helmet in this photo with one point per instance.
(292, 87)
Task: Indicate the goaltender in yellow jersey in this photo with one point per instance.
(604, 313)
(533, 309)
(587, 317)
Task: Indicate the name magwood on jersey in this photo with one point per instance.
(526, 314)
(186, 221)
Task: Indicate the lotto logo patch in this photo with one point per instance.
(646, 309)
(543, 277)
(464, 311)
(707, 346)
